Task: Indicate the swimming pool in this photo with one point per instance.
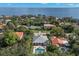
(39, 50)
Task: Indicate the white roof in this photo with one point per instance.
(43, 47)
(36, 34)
(65, 41)
(48, 25)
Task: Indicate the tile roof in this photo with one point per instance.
(57, 41)
(19, 34)
(1, 25)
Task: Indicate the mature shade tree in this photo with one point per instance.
(15, 21)
(10, 37)
(22, 48)
(53, 51)
(51, 48)
(28, 34)
(11, 25)
(23, 16)
(67, 19)
(68, 28)
(76, 31)
(74, 43)
(55, 22)
(57, 31)
(21, 29)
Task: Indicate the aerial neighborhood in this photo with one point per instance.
(39, 35)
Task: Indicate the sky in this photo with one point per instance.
(37, 5)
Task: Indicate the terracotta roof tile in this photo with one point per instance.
(20, 34)
(57, 41)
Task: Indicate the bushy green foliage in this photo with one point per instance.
(57, 31)
(10, 37)
(24, 47)
(68, 28)
(76, 31)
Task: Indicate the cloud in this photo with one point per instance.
(69, 4)
(77, 5)
(72, 4)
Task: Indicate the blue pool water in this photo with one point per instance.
(40, 50)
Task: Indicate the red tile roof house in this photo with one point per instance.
(20, 35)
(59, 42)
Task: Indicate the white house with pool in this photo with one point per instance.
(39, 44)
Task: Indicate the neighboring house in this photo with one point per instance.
(33, 18)
(62, 43)
(7, 17)
(34, 27)
(58, 41)
(39, 44)
(43, 33)
(7, 20)
(20, 35)
(30, 27)
(36, 34)
(1, 25)
(48, 26)
(64, 23)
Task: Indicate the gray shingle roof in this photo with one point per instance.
(40, 39)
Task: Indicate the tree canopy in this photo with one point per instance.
(10, 37)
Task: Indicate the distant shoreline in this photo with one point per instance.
(57, 12)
